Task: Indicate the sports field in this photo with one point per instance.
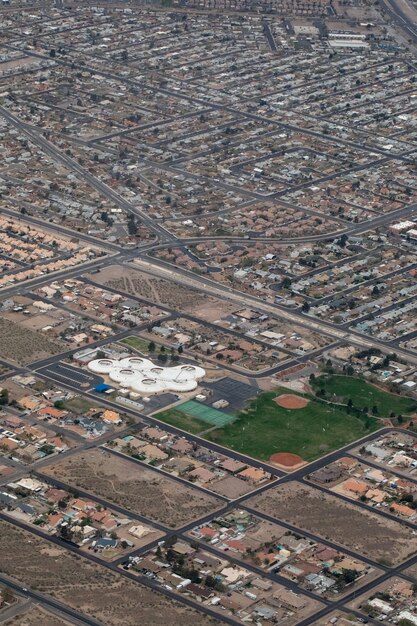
(177, 418)
(363, 394)
(195, 417)
(265, 428)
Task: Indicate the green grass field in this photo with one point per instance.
(265, 428)
(181, 420)
(137, 343)
(363, 394)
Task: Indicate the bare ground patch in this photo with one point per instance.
(23, 345)
(37, 615)
(329, 517)
(163, 292)
(290, 401)
(107, 596)
(134, 487)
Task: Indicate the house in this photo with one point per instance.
(402, 510)
(111, 417)
(54, 520)
(357, 487)
(202, 474)
(253, 474)
(153, 452)
(208, 533)
(31, 484)
(347, 463)
(29, 403)
(55, 495)
(51, 411)
(200, 592)
(289, 599)
(327, 475)
(105, 543)
(381, 605)
(232, 574)
(181, 446)
(232, 466)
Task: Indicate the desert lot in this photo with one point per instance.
(329, 517)
(95, 591)
(134, 487)
(37, 615)
(163, 292)
(22, 345)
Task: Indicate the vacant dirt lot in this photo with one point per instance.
(163, 292)
(107, 596)
(22, 345)
(35, 616)
(133, 487)
(411, 571)
(329, 517)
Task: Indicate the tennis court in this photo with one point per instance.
(205, 413)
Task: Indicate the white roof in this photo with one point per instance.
(145, 377)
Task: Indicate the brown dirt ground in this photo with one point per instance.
(107, 596)
(164, 292)
(37, 615)
(134, 487)
(286, 459)
(22, 345)
(329, 517)
(289, 401)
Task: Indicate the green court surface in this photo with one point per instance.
(205, 413)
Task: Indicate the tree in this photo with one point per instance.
(8, 595)
(170, 555)
(4, 397)
(180, 349)
(306, 307)
(132, 228)
(52, 53)
(151, 346)
(286, 283)
(349, 575)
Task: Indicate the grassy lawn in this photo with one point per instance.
(137, 343)
(79, 405)
(265, 428)
(363, 394)
(183, 421)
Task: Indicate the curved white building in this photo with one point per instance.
(143, 376)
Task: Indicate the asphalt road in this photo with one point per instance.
(71, 378)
